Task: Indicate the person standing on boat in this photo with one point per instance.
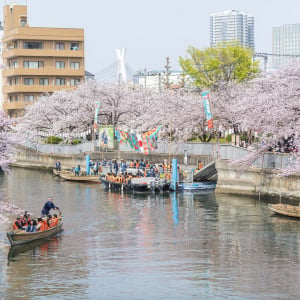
(58, 166)
(77, 171)
(48, 206)
(115, 167)
(123, 166)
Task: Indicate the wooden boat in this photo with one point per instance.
(285, 210)
(196, 186)
(21, 248)
(82, 178)
(55, 172)
(17, 237)
(141, 184)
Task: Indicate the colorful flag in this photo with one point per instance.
(145, 144)
(96, 114)
(118, 136)
(208, 113)
(135, 142)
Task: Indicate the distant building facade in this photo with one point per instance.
(37, 60)
(232, 25)
(285, 44)
(1, 65)
(157, 81)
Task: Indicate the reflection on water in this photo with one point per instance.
(39, 248)
(139, 246)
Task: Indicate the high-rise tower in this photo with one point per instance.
(232, 25)
(286, 44)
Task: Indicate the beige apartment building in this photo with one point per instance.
(37, 60)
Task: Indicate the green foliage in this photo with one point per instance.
(228, 138)
(53, 140)
(76, 142)
(215, 66)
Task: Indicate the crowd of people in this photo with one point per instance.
(44, 222)
(122, 172)
(134, 167)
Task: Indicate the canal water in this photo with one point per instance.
(136, 246)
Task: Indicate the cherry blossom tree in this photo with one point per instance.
(120, 106)
(269, 105)
(8, 140)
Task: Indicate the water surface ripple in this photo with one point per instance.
(137, 246)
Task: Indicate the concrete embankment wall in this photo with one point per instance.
(30, 158)
(256, 182)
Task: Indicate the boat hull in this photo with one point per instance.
(196, 186)
(144, 187)
(84, 178)
(285, 210)
(27, 237)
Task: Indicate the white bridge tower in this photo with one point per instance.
(121, 76)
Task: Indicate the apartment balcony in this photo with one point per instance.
(35, 88)
(13, 52)
(15, 105)
(43, 72)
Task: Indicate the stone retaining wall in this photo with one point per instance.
(255, 182)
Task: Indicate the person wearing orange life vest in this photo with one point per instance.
(40, 225)
(18, 224)
(54, 221)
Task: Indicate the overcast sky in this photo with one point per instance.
(153, 30)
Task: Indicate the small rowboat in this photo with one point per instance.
(18, 237)
(82, 178)
(285, 210)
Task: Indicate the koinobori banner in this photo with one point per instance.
(96, 114)
(208, 113)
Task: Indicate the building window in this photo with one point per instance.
(12, 64)
(74, 65)
(60, 65)
(59, 81)
(33, 45)
(13, 81)
(74, 46)
(60, 46)
(33, 64)
(28, 81)
(13, 98)
(44, 81)
(75, 81)
(28, 98)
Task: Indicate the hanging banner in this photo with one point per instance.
(106, 137)
(96, 114)
(118, 135)
(135, 141)
(145, 144)
(208, 113)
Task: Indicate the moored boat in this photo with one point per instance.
(285, 210)
(196, 186)
(17, 237)
(82, 178)
(137, 184)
